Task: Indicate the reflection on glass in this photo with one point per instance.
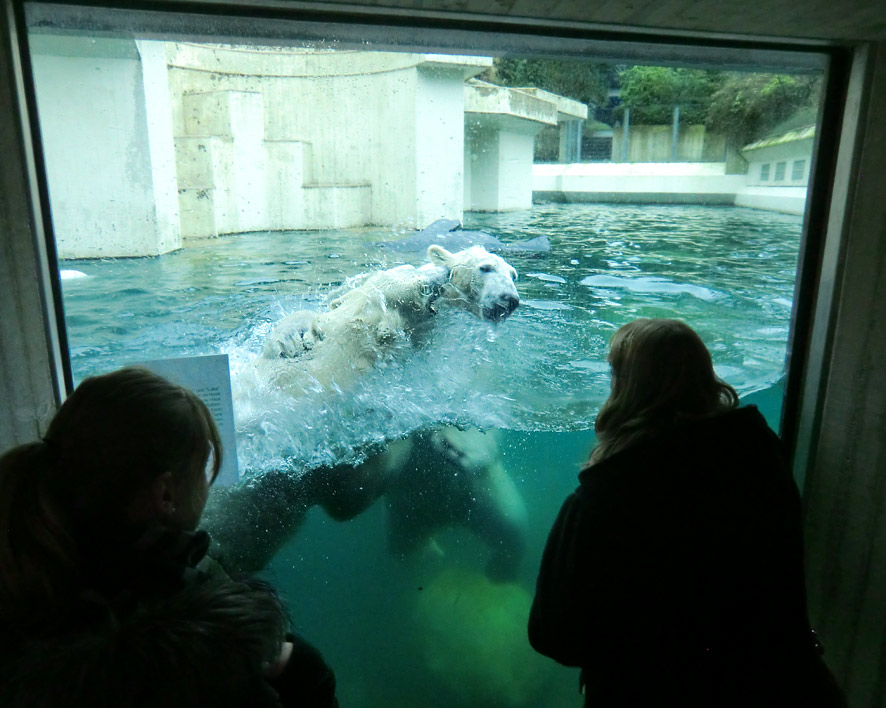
(201, 193)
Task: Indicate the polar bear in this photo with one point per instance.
(307, 348)
(434, 479)
(430, 479)
(448, 476)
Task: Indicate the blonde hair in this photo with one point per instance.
(662, 375)
(112, 437)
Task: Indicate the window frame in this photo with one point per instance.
(781, 169)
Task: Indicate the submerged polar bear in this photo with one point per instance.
(434, 479)
(308, 348)
(431, 479)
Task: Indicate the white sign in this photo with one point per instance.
(210, 378)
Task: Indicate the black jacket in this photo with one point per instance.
(673, 575)
(151, 631)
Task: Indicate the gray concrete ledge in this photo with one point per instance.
(633, 198)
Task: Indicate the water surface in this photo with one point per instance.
(729, 272)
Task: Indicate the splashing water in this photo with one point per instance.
(728, 272)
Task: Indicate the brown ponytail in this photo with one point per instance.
(36, 549)
(106, 445)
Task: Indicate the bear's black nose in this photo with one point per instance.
(501, 309)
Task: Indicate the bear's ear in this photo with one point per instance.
(439, 255)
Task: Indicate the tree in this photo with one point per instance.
(581, 81)
(746, 106)
(652, 92)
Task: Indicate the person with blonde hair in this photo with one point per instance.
(101, 599)
(673, 575)
(662, 375)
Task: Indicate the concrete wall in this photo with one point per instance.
(104, 129)
(789, 200)
(232, 139)
(655, 143)
(222, 163)
(669, 183)
(384, 130)
(660, 183)
(185, 141)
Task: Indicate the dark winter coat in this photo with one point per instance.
(673, 575)
(151, 631)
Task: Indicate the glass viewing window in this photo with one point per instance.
(216, 184)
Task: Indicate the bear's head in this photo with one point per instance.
(478, 281)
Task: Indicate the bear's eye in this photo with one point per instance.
(486, 268)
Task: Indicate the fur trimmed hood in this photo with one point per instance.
(202, 644)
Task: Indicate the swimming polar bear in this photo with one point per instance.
(308, 349)
(431, 479)
(434, 479)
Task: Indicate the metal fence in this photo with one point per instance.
(593, 140)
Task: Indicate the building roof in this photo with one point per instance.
(805, 118)
(800, 126)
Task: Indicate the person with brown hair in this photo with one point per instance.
(673, 575)
(101, 599)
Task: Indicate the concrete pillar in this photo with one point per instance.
(501, 165)
(675, 133)
(103, 130)
(158, 122)
(439, 144)
(626, 135)
(570, 141)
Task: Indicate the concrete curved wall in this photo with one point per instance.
(391, 123)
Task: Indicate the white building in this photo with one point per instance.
(778, 167)
(776, 179)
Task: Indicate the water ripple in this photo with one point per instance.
(728, 272)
